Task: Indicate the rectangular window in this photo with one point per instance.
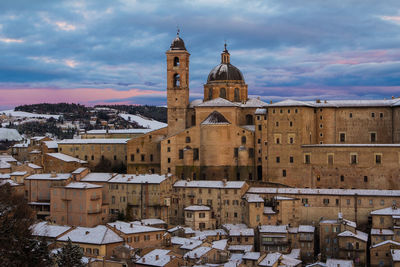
(278, 159)
(180, 153)
(372, 114)
(259, 127)
(151, 157)
(291, 159)
(307, 158)
(326, 201)
(378, 158)
(330, 159)
(236, 152)
(195, 154)
(372, 137)
(132, 157)
(353, 158)
(142, 157)
(284, 173)
(342, 137)
(251, 152)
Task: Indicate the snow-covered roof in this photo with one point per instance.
(80, 185)
(19, 173)
(340, 221)
(375, 231)
(269, 210)
(210, 184)
(34, 166)
(271, 259)
(132, 228)
(195, 103)
(390, 211)
(120, 131)
(49, 176)
(197, 252)
(51, 144)
(251, 198)
(288, 261)
(352, 145)
(92, 235)
(156, 257)
(251, 256)
(244, 248)
(7, 134)
(253, 103)
(251, 128)
(358, 234)
(65, 157)
(337, 103)
(283, 198)
(386, 242)
(215, 118)
(220, 244)
(311, 191)
(260, 111)
(152, 221)
(94, 141)
(138, 178)
(10, 182)
(340, 263)
(206, 233)
(218, 102)
(281, 229)
(395, 255)
(186, 243)
(197, 208)
(45, 229)
(4, 165)
(306, 229)
(5, 176)
(7, 158)
(79, 170)
(97, 177)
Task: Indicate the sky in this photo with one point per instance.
(113, 52)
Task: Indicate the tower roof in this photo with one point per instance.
(225, 71)
(178, 43)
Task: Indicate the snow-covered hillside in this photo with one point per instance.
(145, 122)
(22, 114)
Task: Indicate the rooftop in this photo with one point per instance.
(197, 208)
(79, 185)
(132, 228)
(65, 157)
(45, 229)
(49, 176)
(156, 257)
(94, 141)
(98, 235)
(210, 184)
(138, 178)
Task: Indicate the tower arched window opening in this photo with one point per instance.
(210, 93)
(176, 61)
(222, 93)
(236, 95)
(177, 80)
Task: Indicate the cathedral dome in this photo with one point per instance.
(225, 71)
(178, 43)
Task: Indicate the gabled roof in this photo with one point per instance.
(215, 118)
(99, 235)
(386, 242)
(218, 102)
(358, 234)
(65, 157)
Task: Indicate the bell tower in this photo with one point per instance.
(177, 85)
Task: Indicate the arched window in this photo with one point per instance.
(210, 93)
(176, 61)
(249, 119)
(177, 80)
(222, 93)
(243, 140)
(237, 98)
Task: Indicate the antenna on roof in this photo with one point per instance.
(225, 45)
(177, 30)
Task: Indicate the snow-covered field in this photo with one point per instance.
(22, 114)
(145, 122)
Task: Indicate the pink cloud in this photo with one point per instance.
(14, 97)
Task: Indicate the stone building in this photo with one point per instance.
(227, 135)
(96, 150)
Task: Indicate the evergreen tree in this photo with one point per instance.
(17, 245)
(69, 256)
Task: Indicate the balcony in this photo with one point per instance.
(96, 197)
(94, 211)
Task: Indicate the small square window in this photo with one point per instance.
(372, 114)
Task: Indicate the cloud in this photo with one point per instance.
(303, 49)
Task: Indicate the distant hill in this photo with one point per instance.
(153, 112)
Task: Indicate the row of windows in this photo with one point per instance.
(372, 137)
(330, 158)
(288, 111)
(209, 190)
(142, 157)
(326, 201)
(222, 94)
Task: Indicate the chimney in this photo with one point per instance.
(325, 101)
(53, 174)
(270, 101)
(224, 181)
(87, 232)
(318, 101)
(144, 259)
(157, 257)
(131, 225)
